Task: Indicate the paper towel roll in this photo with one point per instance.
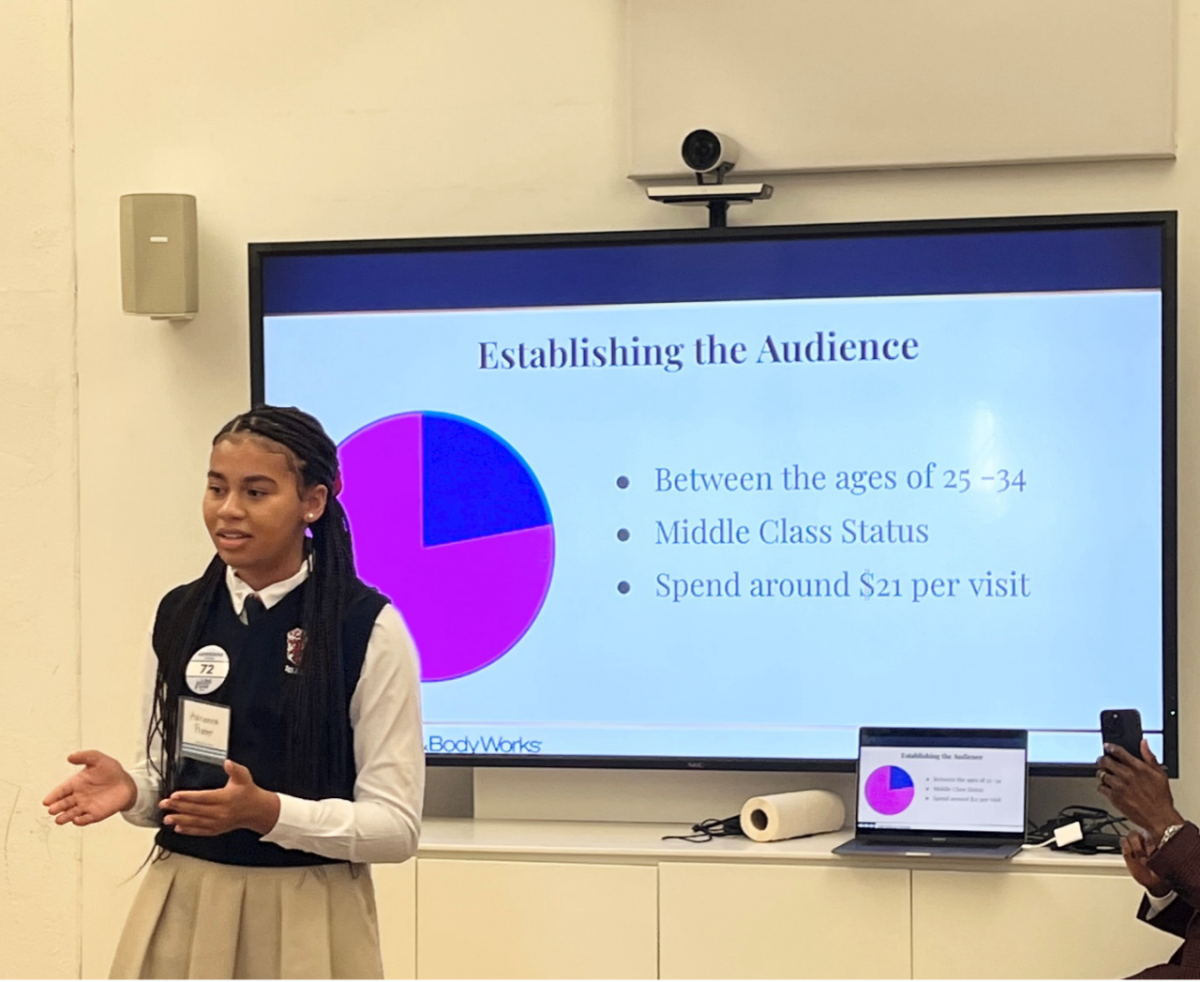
(786, 816)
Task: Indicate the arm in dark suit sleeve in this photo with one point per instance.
(1178, 862)
(1173, 918)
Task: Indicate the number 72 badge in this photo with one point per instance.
(207, 669)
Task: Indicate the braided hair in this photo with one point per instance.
(316, 698)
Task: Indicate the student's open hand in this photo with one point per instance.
(241, 804)
(93, 794)
(1138, 787)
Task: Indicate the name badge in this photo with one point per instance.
(203, 730)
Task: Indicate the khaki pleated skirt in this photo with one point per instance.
(196, 919)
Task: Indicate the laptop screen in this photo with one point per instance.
(966, 782)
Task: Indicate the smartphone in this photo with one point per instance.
(1122, 727)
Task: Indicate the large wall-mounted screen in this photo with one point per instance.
(719, 498)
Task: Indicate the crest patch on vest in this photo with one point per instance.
(295, 650)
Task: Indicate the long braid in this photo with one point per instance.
(322, 694)
(182, 635)
(316, 697)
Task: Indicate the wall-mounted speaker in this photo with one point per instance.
(159, 263)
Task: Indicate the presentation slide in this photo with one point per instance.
(746, 528)
(966, 789)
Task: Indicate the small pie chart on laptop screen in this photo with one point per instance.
(451, 524)
(889, 790)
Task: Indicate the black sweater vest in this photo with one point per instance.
(255, 688)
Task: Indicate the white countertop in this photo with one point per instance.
(619, 842)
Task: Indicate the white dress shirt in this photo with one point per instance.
(1159, 904)
(383, 822)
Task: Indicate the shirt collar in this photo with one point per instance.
(239, 590)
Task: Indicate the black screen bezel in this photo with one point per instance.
(1166, 221)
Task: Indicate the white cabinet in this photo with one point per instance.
(396, 901)
(536, 920)
(733, 920)
(1017, 924)
(511, 899)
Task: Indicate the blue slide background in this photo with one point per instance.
(1064, 387)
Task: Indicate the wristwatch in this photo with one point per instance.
(1166, 836)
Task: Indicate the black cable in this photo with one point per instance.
(1092, 822)
(711, 828)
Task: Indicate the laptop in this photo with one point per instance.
(950, 793)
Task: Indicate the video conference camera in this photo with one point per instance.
(709, 152)
(712, 156)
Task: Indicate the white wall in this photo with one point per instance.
(304, 119)
(39, 664)
(287, 121)
(912, 83)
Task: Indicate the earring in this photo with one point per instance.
(309, 517)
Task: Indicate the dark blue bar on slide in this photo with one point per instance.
(573, 274)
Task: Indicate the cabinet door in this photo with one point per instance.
(766, 922)
(396, 899)
(533, 920)
(1025, 925)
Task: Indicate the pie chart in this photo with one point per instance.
(451, 524)
(889, 790)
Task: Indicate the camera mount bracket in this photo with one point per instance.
(718, 197)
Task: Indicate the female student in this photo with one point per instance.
(283, 748)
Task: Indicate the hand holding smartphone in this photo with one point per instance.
(1122, 727)
(1139, 788)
